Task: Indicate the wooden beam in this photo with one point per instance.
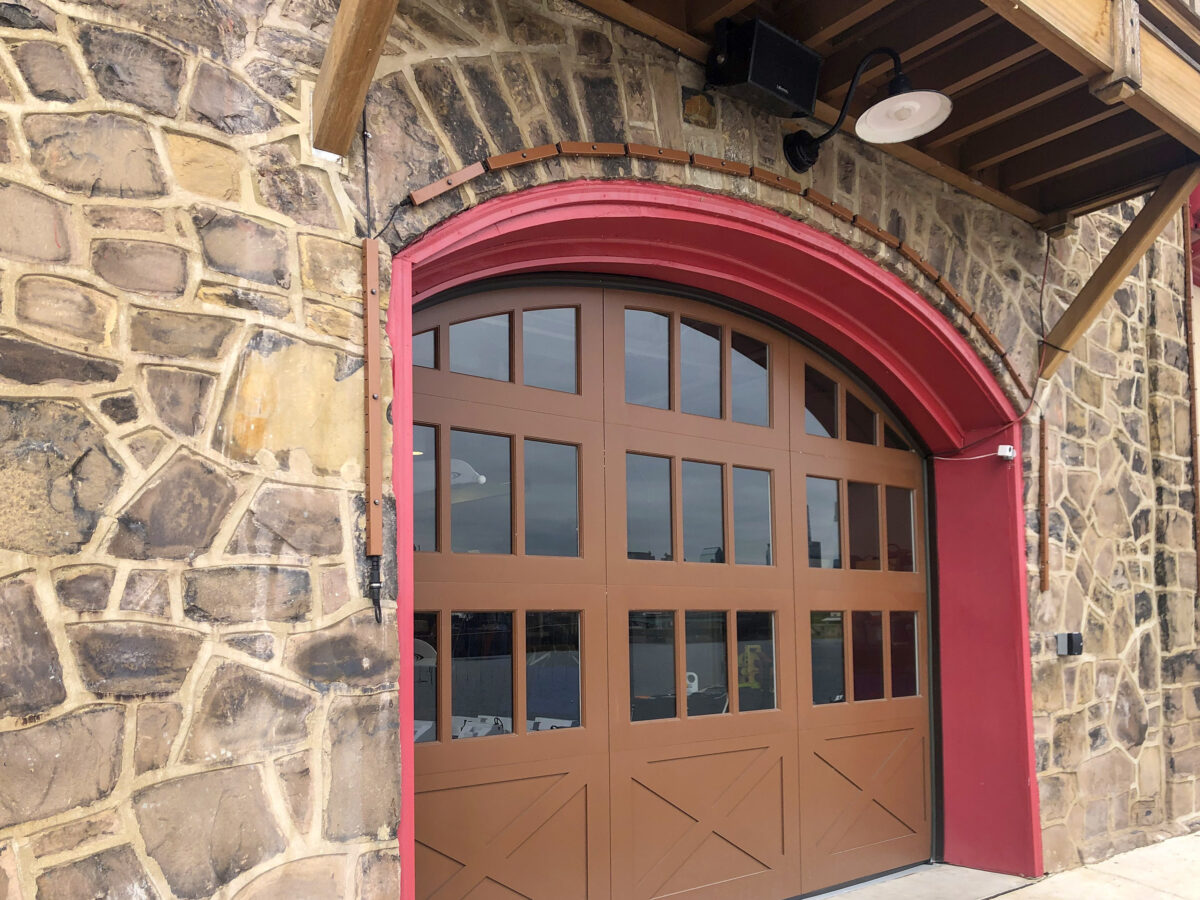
(1041, 79)
(1100, 141)
(1114, 178)
(349, 64)
(1116, 266)
(960, 65)
(1040, 125)
(703, 15)
(1126, 76)
(928, 26)
(819, 24)
(676, 38)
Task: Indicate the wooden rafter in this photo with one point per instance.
(817, 24)
(703, 15)
(1099, 141)
(1116, 266)
(973, 59)
(349, 64)
(1114, 178)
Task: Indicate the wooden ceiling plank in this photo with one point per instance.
(353, 51)
(1117, 177)
(818, 25)
(627, 14)
(976, 58)
(703, 15)
(928, 27)
(1116, 266)
(1041, 79)
(1040, 125)
(1096, 142)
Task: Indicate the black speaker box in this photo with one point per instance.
(764, 67)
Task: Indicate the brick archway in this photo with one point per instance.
(896, 339)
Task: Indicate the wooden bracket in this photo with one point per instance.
(373, 470)
(1125, 79)
(1117, 265)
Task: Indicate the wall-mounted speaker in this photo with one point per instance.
(764, 67)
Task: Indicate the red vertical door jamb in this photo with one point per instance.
(399, 325)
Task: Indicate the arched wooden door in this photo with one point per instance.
(670, 616)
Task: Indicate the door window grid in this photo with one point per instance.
(484, 474)
(677, 362)
(661, 640)
(705, 531)
(534, 347)
(875, 658)
(869, 527)
(483, 650)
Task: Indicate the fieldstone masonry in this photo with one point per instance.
(181, 590)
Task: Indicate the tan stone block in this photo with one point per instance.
(329, 266)
(66, 306)
(73, 835)
(204, 167)
(314, 878)
(157, 725)
(1047, 686)
(1107, 775)
(333, 321)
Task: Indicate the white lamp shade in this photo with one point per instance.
(903, 117)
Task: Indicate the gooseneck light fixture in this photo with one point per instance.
(901, 116)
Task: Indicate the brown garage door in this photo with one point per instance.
(671, 613)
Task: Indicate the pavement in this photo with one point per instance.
(1169, 870)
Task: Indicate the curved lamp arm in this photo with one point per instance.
(801, 148)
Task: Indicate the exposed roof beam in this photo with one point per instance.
(989, 51)
(1024, 87)
(703, 15)
(349, 64)
(819, 24)
(1116, 266)
(676, 38)
(1039, 125)
(925, 28)
(1085, 146)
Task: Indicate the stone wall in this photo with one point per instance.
(181, 613)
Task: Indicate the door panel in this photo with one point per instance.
(746, 728)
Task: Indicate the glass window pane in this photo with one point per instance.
(820, 404)
(647, 358)
(548, 342)
(480, 489)
(824, 538)
(647, 506)
(551, 499)
(551, 670)
(424, 677)
(860, 421)
(425, 349)
(751, 517)
(828, 657)
(749, 386)
(703, 513)
(866, 630)
(707, 672)
(892, 439)
(862, 511)
(899, 504)
(904, 653)
(481, 347)
(651, 665)
(481, 693)
(756, 660)
(700, 368)
(425, 488)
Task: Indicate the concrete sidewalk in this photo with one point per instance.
(1169, 870)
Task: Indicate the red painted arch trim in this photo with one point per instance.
(891, 333)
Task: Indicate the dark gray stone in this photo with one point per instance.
(84, 588)
(245, 247)
(178, 514)
(26, 14)
(436, 81)
(30, 674)
(292, 189)
(133, 69)
(169, 334)
(218, 26)
(179, 397)
(221, 100)
(353, 652)
(364, 757)
(60, 764)
(133, 659)
(279, 43)
(48, 70)
(26, 361)
(120, 408)
(237, 594)
(56, 475)
(204, 830)
(113, 873)
(260, 646)
(282, 518)
(245, 712)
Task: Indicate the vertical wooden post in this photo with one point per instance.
(1043, 508)
(374, 419)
